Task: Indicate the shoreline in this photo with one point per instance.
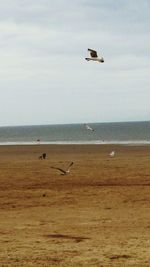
(119, 143)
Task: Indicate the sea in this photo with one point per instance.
(104, 133)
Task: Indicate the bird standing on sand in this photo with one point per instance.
(94, 57)
(112, 154)
(64, 172)
(43, 156)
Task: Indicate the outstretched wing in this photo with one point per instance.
(88, 127)
(59, 169)
(93, 53)
(71, 164)
(69, 167)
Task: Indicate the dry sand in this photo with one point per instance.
(98, 215)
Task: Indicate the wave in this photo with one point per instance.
(91, 142)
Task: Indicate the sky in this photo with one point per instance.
(44, 77)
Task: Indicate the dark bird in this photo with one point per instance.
(64, 172)
(43, 156)
(94, 56)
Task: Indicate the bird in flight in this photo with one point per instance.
(64, 172)
(88, 127)
(94, 56)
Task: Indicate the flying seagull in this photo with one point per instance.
(88, 127)
(64, 172)
(94, 56)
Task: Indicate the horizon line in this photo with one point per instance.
(53, 124)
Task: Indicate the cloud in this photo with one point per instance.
(42, 53)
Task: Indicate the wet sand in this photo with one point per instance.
(98, 215)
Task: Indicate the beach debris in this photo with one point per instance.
(112, 154)
(64, 172)
(94, 56)
(88, 127)
(43, 156)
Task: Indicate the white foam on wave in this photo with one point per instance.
(92, 142)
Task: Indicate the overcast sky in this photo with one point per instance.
(44, 77)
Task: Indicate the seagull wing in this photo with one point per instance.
(88, 127)
(102, 59)
(59, 169)
(93, 53)
(70, 166)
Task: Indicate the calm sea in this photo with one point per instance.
(120, 132)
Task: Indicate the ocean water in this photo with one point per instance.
(104, 133)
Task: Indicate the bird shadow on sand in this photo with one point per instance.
(116, 257)
(61, 236)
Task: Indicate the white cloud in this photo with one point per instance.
(42, 52)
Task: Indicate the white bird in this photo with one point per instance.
(94, 57)
(64, 172)
(88, 127)
(112, 154)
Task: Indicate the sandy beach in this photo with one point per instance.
(98, 215)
